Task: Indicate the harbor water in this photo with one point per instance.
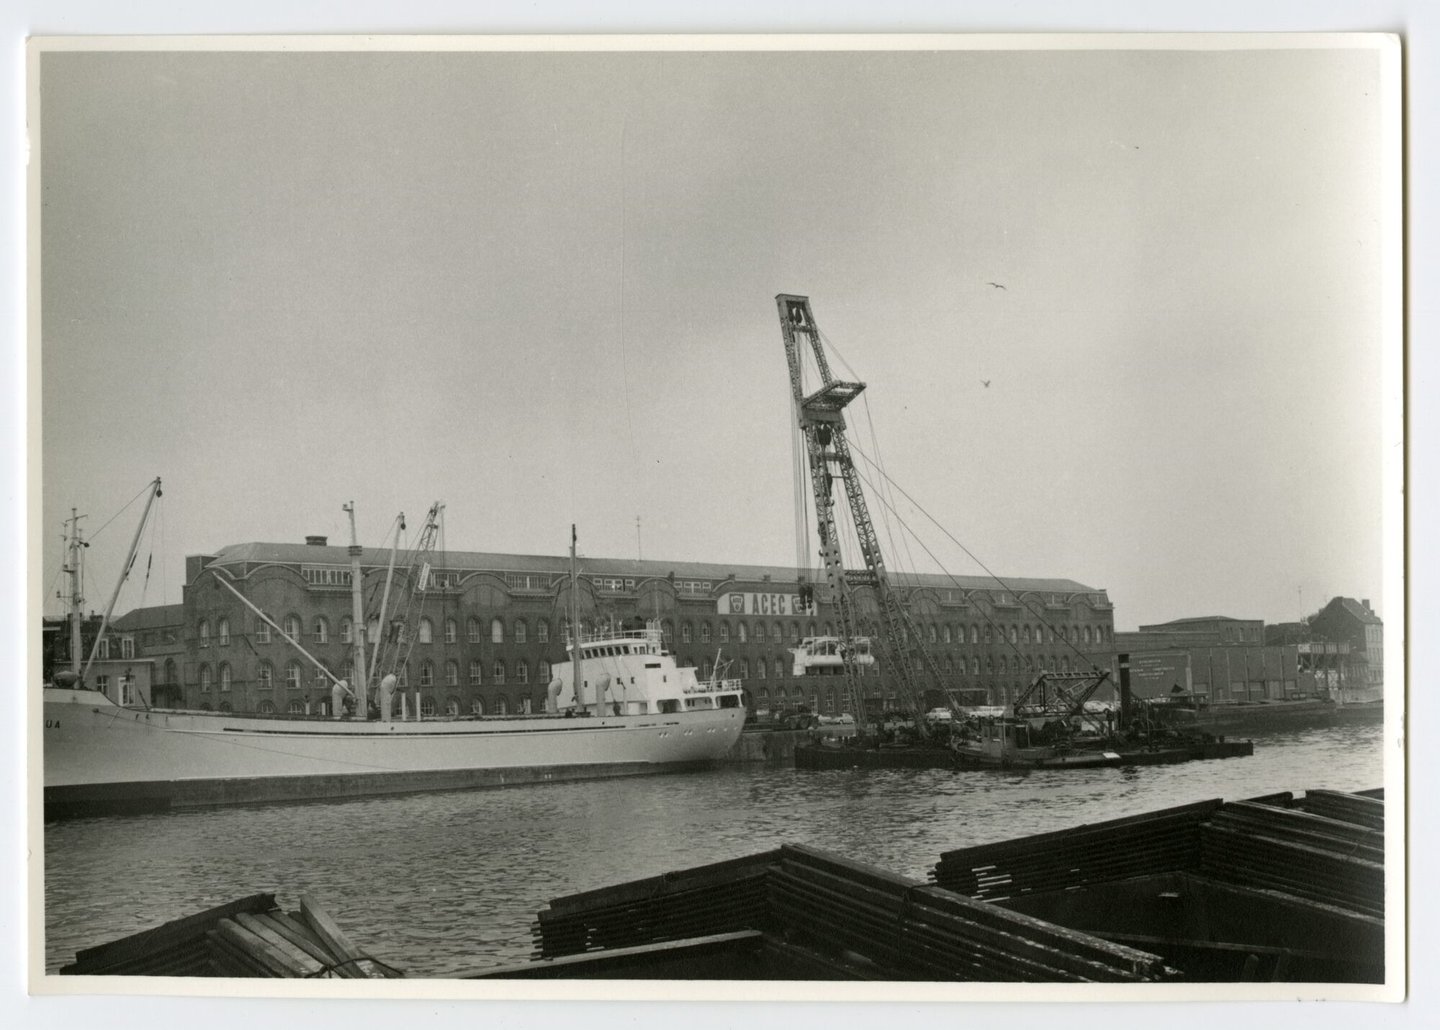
(441, 885)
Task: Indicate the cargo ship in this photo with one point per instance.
(621, 705)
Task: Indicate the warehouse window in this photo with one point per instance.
(451, 631)
(542, 631)
(427, 631)
(322, 631)
(472, 630)
(223, 632)
(475, 673)
(497, 631)
(520, 631)
(498, 670)
(452, 674)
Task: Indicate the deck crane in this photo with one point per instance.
(822, 424)
(395, 652)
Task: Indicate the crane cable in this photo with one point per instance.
(1060, 637)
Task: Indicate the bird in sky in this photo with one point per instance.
(985, 383)
(998, 286)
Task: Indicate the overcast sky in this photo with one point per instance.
(540, 287)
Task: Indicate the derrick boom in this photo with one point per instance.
(822, 423)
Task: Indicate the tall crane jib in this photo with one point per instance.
(822, 424)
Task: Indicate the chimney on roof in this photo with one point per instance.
(315, 541)
(1365, 604)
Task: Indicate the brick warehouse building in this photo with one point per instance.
(494, 623)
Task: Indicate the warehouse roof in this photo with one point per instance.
(313, 554)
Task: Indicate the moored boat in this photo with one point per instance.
(622, 705)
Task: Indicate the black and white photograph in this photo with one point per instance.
(823, 517)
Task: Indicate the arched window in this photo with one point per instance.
(779, 668)
(686, 633)
(296, 707)
(292, 675)
(974, 665)
(223, 632)
(520, 631)
(1025, 634)
(1085, 634)
(402, 676)
(475, 672)
(265, 676)
(974, 633)
(502, 707)
(934, 634)
(477, 706)
(542, 631)
(472, 630)
(267, 708)
(452, 707)
(522, 671)
(498, 670)
(347, 629)
(542, 673)
(427, 705)
(452, 674)
(1014, 636)
(427, 673)
(741, 633)
(292, 627)
(451, 634)
(989, 633)
(744, 668)
(204, 679)
(724, 633)
(704, 632)
(322, 630)
(760, 668)
(226, 707)
(497, 631)
(322, 681)
(947, 633)
(224, 676)
(204, 636)
(262, 631)
(427, 632)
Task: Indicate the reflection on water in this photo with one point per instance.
(444, 884)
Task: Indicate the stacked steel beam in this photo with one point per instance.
(1337, 861)
(251, 937)
(719, 898)
(176, 948)
(902, 929)
(1156, 842)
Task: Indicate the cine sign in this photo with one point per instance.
(761, 604)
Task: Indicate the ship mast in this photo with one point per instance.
(357, 616)
(77, 601)
(124, 574)
(575, 659)
(385, 599)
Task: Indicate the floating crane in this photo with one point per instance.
(822, 423)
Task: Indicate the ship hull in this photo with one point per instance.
(102, 758)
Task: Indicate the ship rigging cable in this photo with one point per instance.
(887, 503)
(1059, 637)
